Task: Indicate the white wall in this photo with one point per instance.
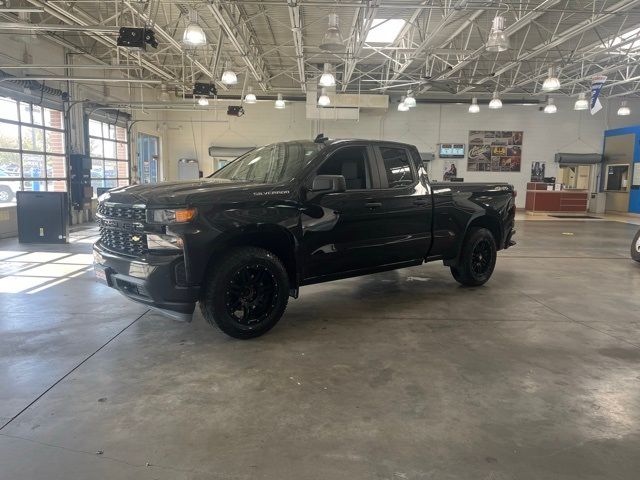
(425, 126)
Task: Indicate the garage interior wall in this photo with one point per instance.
(425, 126)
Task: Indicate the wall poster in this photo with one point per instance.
(537, 171)
(494, 151)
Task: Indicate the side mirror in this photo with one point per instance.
(329, 184)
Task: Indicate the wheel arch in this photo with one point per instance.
(480, 220)
(274, 238)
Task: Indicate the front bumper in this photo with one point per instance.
(156, 281)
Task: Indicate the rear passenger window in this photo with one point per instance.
(397, 166)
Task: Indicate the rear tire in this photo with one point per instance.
(246, 293)
(477, 259)
(635, 247)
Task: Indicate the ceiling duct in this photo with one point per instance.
(572, 159)
(343, 106)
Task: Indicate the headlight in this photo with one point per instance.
(166, 216)
(164, 242)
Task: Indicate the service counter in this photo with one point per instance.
(546, 197)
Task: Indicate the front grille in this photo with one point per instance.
(123, 212)
(117, 230)
(133, 244)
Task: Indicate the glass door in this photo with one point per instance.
(148, 157)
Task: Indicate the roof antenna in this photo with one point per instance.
(320, 138)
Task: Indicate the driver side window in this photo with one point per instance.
(352, 163)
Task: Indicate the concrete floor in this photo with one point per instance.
(401, 375)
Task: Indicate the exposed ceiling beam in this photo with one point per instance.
(167, 37)
(569, 33)
(242, 40)
(357, 38)
(296, 30)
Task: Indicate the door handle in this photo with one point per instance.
(420, 202)
(373, 204)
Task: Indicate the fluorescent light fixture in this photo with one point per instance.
(495, 102)
(385, 30)
(203, 101)
(194, 35)
(324, 100)
(474, 107)
(402, 107)
(550, 107)
(552, 82)
(498, 40)
(410, 100)
(250, 97)
(624, 110)
(332, 41)
(582, 103)
(229, 77)
(327, 79)
(279, 104)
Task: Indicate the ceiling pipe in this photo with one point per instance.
(57, 28)
(60, 13)
(79, 79)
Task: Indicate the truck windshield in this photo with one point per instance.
(275, 163)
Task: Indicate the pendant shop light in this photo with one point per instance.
(624, 110)
(410, 100)
(332, 41)
(280, 102)
(229, 77)
(550, 107)
(324, 100)
(163, 95)
(495, 102)
(327, 79)
(474, 107)
(203, 101)
(250, 97)
(498, 40)
(582, 103)
(552, 82)
(402, 107)
(194, 35)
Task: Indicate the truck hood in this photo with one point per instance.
(181, 193)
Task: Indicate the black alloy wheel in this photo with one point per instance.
(251, 294)
(246, 292)
(477, 258)
(481, 257)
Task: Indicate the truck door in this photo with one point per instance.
(339, 232)
(403, 222)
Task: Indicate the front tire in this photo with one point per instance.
(635, 247)
(246, 293)
(477, 259)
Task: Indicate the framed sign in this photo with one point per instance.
(494, 151)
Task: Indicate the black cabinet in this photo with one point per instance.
(43, 217)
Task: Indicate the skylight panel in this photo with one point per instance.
(385, 30)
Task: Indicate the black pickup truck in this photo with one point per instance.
(243, 240)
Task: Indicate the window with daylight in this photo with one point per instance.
(32, 149)
(109, 155)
